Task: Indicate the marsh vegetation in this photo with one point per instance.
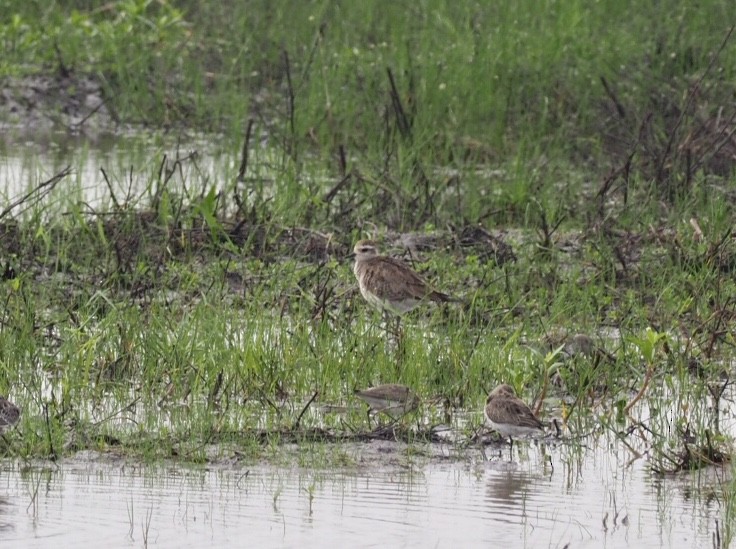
(564, 170)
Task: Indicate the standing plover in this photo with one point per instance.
(9, 414)
(392, 399)
(388, 284)
(509, 415)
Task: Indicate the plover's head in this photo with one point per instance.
(502, 390)
(365, 249)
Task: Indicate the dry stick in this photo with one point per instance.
(310, 58)
(622, 170)
(244, 152)
(46, 187)
(79, 124)
(645, 385)
(48, 432)
(688, 102)
(162, 167)
(63, 68)
(612, 96)
(697, 231)
(118, 412)
(546, 231)
(714, 332)
(540, 400)
(216, 389)
(241, 175)
(714, 250)
(290, 95)
(299, 419)
(726, 140)
(167, 174)
(159, 188)
(334, 190)
(401, 119)
(109, 187)
(130, 182)
(404, 124)
(558, 430)
(343, 161)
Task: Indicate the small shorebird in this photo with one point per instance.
(509, 415)
(392, 399)
(9, 414)
(388, 284)
(576, 345)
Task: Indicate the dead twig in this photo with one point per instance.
(304, 410)
(37, 193)
(244, 152)
(688, 102)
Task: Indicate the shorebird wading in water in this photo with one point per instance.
(509, 415)
(392, 399)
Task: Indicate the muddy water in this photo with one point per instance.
(574, 498)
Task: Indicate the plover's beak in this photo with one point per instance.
(351, 255)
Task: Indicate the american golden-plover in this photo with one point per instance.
(389, 284)
(509, 415)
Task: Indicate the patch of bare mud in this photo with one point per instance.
(44, 103)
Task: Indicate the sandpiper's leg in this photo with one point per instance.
(482, 448)
(511, 449)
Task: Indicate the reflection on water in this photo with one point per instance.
(529, 503)
(130, 162)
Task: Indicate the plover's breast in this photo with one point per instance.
(511, 430)
(396, 306)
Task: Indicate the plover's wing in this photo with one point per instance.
(392, 279)
(408, 283)
(513, 411)
(415, 285)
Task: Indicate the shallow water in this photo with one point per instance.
(587, 499)
(130, 161)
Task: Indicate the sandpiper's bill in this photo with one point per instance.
(389, 284)
(509, 415)
(392, 399)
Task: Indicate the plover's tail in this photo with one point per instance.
(439, 297)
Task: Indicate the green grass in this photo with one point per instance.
(146, 339)
(513, 86)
